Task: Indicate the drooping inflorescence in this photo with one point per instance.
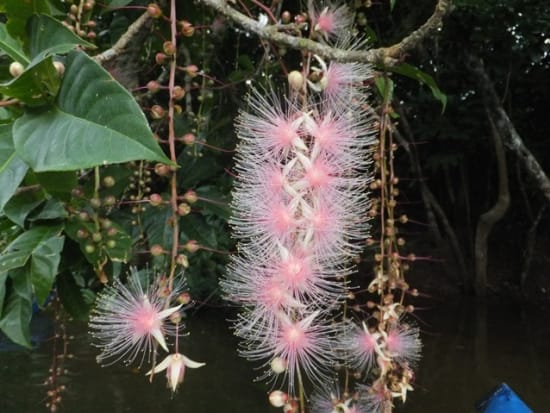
(299, 209)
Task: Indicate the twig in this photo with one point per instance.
(124, 40)
(386, 56)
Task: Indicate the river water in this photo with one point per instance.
(468, 350)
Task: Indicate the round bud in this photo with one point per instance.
(154, 10)
(89, 248)
(277, 398)
(109, 200)
(192, 246)
(178, 93)
(160, 58)
(16, 69)
(74, 9)
(183, 209)
(189, 138)
(286, 17)
(184, 298)
(190, 196)
(106, 223)
(191, 70)
(182, 260)
(109, 181)
(81, 233)
(187, 28)
(95, 202)
(155, 199)
(111, 243)
(96, 237)
(295, 80)
(278, 365)
(60, 68)
(169, 48)
(157, 112)
(91, 35)
(153, 86)
(156, 250)
(162, 169)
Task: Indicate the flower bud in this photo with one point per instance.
(295, 80)
(154, 10)
(16, 69)
(277, 398)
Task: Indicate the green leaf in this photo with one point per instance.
(19, 251)
(58, 184)
(392, 4)
(19, 11)
(48, 37)
(112, 4)
(18, 208)
(44, 264)
(36, 86)
(71, 296)
(52, 209)
(12, 168)
(95, 121)
(12, 47)
(16, 318)
(385, 87)
(415, 73)
(3, 278)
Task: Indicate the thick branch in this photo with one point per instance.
(386, 56)
(506, 128)
(488, 220)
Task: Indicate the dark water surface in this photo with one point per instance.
(468, 350)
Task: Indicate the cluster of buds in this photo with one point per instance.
(78, 19)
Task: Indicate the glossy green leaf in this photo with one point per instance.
(19, 251)
(12, 47)
(59, 184)
(36, 86)
(16, 317)
(53, 208)
(18, 208)
(43, 268)
(95, 121)
(19, 11)
(415, 73)
(48, 37)
(71, 296)
(12, 168)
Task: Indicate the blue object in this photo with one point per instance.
(503, 400)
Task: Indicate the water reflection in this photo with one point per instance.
(467, 351)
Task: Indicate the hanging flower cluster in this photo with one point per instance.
(299, 209)
(300, 206)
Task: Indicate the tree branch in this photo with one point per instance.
(124, 40)
(386, 56)
(511, 138)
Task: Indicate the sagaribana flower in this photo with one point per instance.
(128, 320)
(175, 365)
(331, 21)
(402, 343)
(362, 347)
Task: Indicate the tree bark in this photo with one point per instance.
(488, 220)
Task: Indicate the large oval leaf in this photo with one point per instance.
(95, 121)
(12, 169)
